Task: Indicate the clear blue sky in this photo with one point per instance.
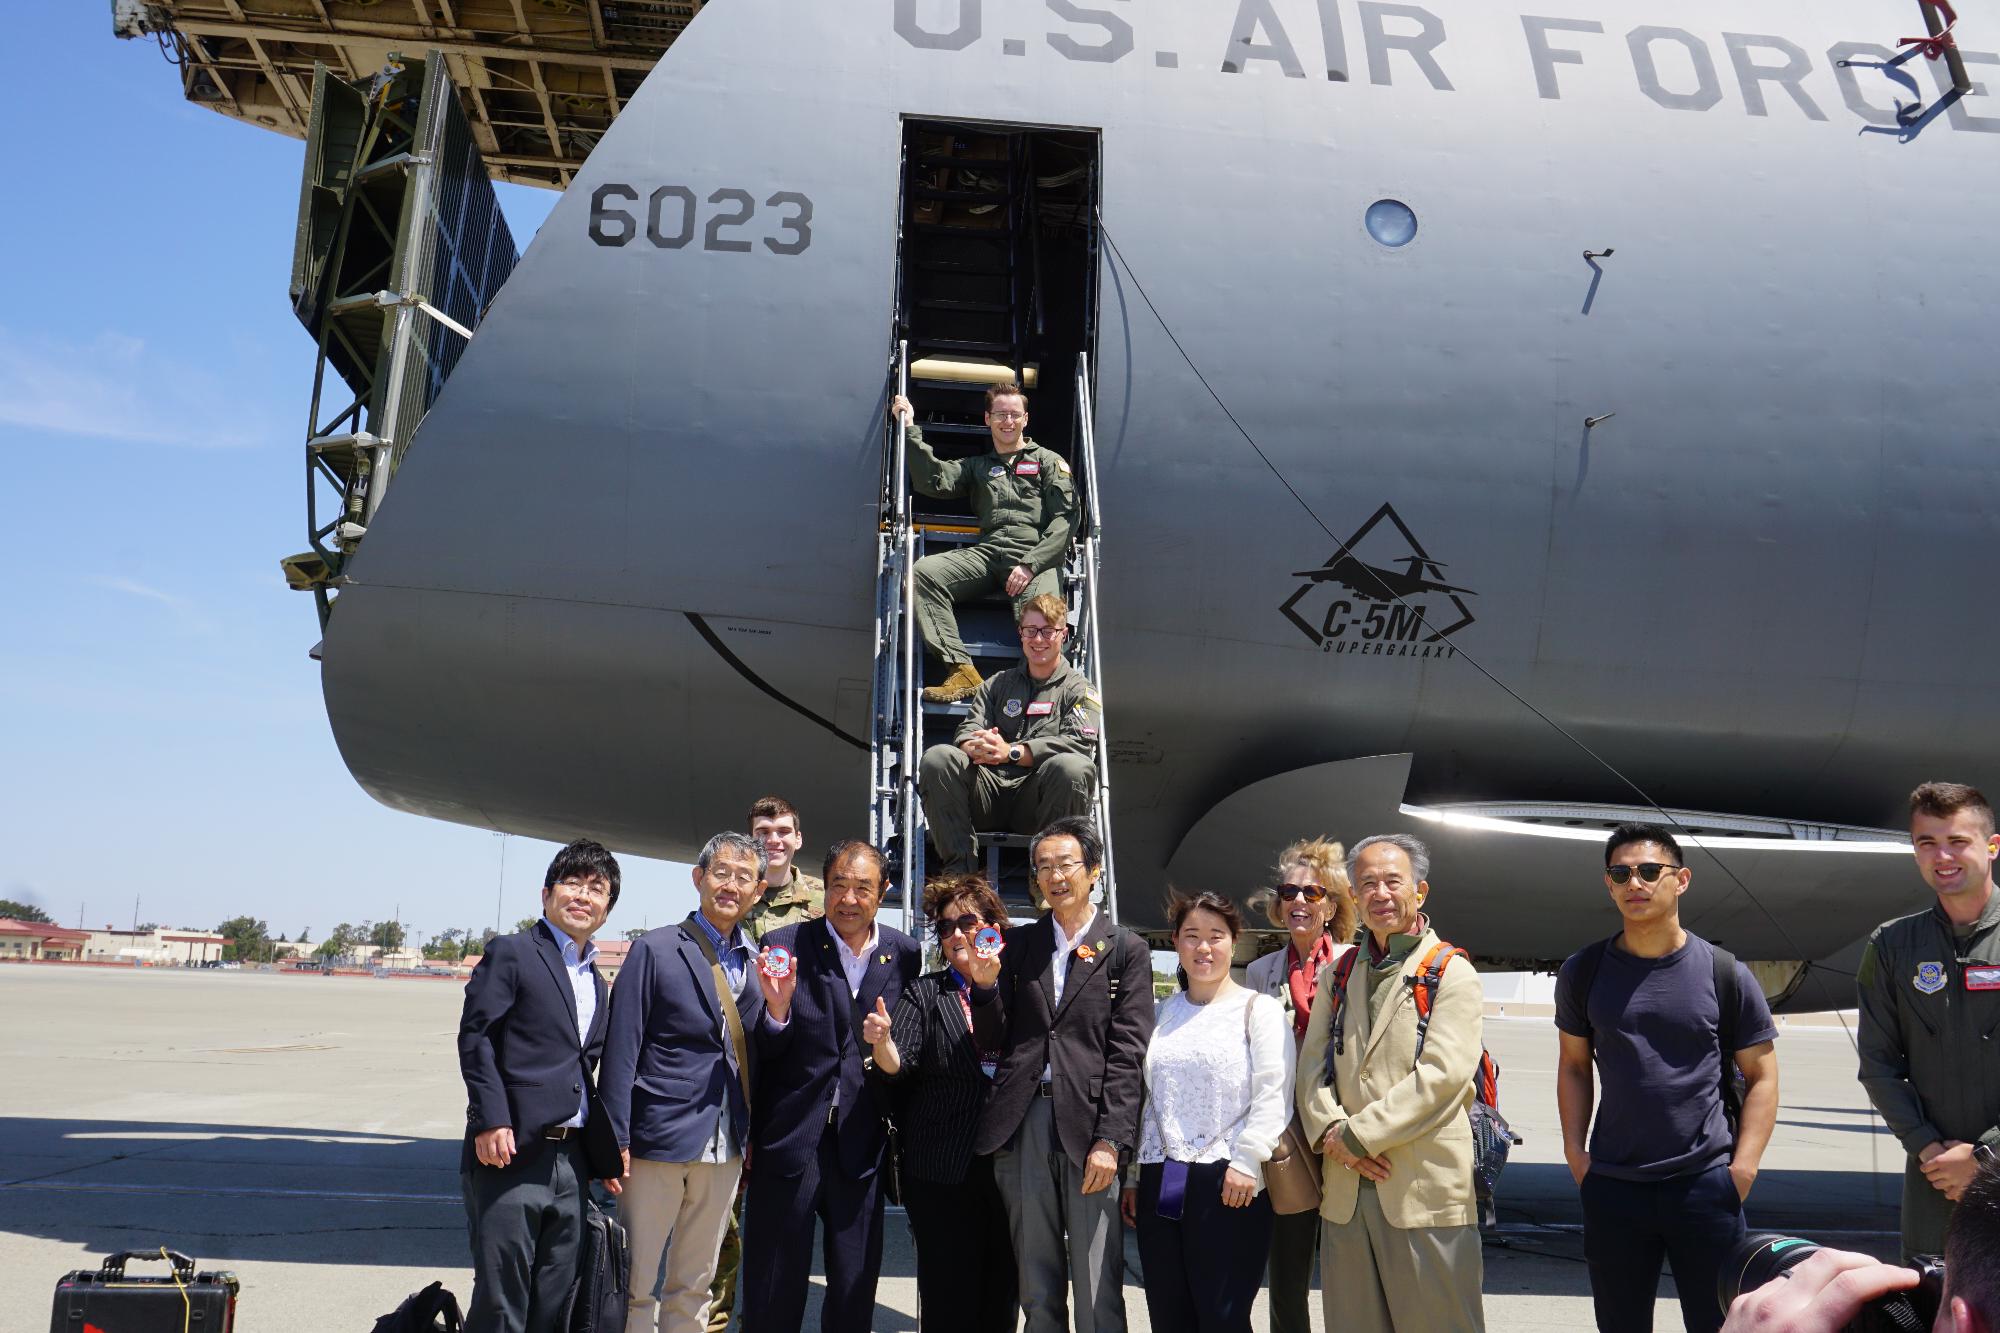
(161, 730)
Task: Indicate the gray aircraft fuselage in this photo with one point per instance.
(623, 583)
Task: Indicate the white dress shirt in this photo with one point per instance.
(853, 963)
(1065, 945)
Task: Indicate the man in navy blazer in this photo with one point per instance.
(528, 1044)
(816, 1118)
(676, 1085)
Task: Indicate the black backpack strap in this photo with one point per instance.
(1588, 960)
(1337, 1039)
(1728, 1001)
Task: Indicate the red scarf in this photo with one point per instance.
(1303, 978)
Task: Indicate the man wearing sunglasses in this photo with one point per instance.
(1025, 499)
(1026, 753)
(1669, 1021)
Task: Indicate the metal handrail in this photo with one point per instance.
(899, 487)
(912, 733)
(1093, 646)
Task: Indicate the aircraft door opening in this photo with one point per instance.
(996, 281)
(997, 273)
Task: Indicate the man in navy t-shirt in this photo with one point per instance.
(1664, 1176)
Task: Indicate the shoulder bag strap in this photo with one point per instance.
(730, 1014)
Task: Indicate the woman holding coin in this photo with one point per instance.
(965, 1256)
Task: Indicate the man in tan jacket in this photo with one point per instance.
(1399, 1236)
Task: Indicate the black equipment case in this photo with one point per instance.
(107, 1301)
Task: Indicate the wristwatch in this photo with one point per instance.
(1983, 1154)
(1013, 754)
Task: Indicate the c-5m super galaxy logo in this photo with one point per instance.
(1380, 595)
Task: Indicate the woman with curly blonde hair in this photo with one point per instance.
(1314, 904)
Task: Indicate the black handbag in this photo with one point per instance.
(432, 1310)
(603, 1275)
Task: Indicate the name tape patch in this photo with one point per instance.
(1028, 469)
(1041, 708)
(1986, 977)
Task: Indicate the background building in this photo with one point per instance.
(26, 941)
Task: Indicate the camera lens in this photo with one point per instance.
(1762, 1255)
(1757, 1258)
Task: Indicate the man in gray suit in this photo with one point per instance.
(1071, 1013)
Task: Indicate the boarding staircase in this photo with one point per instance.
(904, 725)
(998, 251)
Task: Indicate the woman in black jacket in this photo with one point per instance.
(965, 1256)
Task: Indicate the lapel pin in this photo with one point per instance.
(1085, 952)
(882, 958)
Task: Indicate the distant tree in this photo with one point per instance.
(635, 932)
(25, 912)
(526, 923)
(330, 949)
(445, 948)
(305, 936)
(244, 938)
(475, 948)
(146, 926)
(387, 936)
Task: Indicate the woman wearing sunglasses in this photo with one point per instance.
(965, 1256)
(1312, 902)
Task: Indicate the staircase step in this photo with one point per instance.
(973, 307)
(963, 345)
(959, 196)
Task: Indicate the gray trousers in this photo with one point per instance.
(1294, 1245)
(1376, 1278)
(961, 796)
(1068, 1246)
(526, 1226)
(947, 577)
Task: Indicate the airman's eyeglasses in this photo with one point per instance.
(1312, 893)
(1648, 872)
(1008, 416)
(1042, 632)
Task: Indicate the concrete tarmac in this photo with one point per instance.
(303, 1132)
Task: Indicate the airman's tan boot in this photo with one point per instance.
(959, 685)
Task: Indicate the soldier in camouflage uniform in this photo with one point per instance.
(1026, 755)
(1930, 1004)
(790, 896)
(1025, 498)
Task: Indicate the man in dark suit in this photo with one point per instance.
(817, 1107)
(528, 1044)
(677, 1085)
(1071, 1013)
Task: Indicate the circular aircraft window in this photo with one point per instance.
(1392, 222)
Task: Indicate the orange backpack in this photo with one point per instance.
(1492, 1137)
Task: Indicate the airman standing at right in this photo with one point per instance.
(1930, 998)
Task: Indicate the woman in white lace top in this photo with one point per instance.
(1218, 1095)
